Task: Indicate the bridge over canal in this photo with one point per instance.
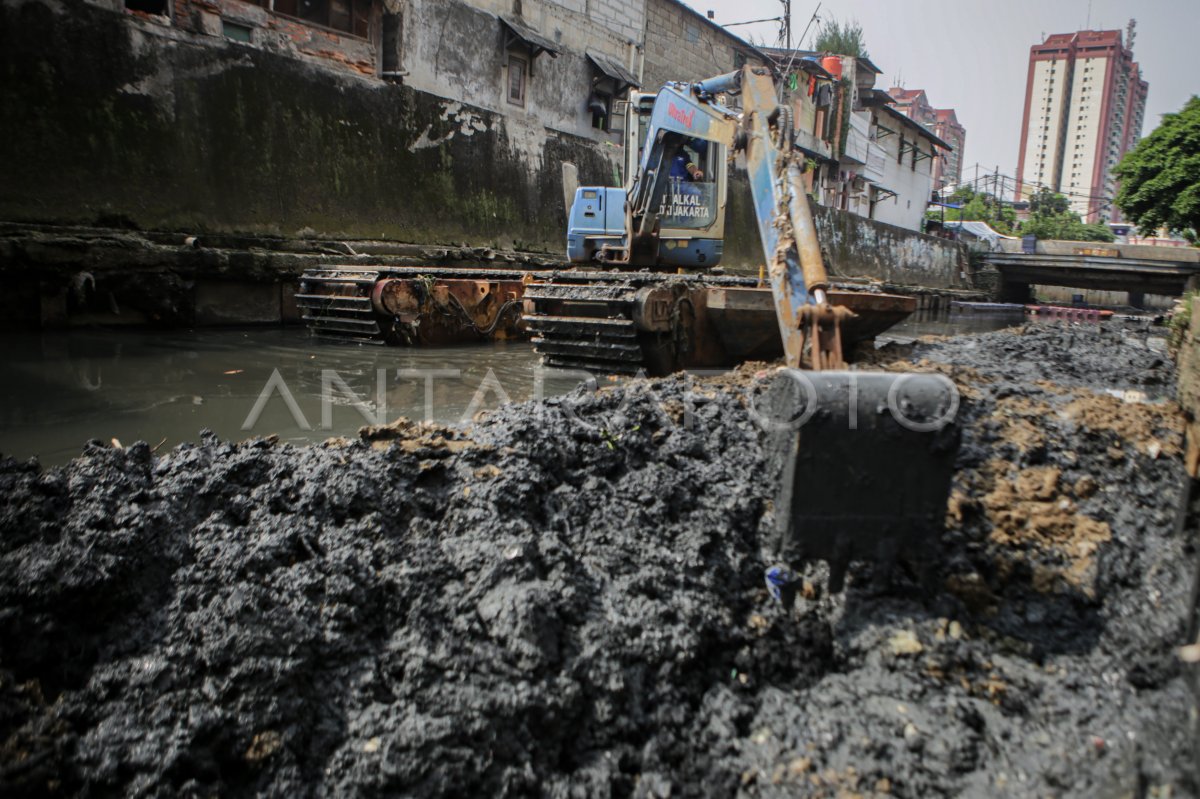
(1138, 269)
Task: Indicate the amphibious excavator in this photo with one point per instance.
(639, 293)
(872, 478)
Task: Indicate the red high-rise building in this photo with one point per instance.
(1084, 105)
(943, 123)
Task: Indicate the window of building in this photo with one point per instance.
(236, 32)
(348, 16)
(610, 81)
(600, 103)
(518, 71)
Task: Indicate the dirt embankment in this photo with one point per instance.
(568, 600)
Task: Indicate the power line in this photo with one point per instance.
(1066, 193)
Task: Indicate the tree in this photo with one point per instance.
(842, 38)
(1160, 178)
(1048, 203)
(1065, 227)
(1051, 217)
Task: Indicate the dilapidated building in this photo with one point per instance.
(439, 121)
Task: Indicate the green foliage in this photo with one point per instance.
(978, 207)
(842, 38)
(1160, 178)
(1051, 217)
(1065, 227)
(1048, 203)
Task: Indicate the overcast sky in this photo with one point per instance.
(973, 56)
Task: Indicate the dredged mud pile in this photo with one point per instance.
(568, 600)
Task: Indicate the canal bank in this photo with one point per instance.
(69, 276)
(569, 595)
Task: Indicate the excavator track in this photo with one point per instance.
(600, 322)
(335, 304)
(612, 322)
(584, 325)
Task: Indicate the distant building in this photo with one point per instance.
(948, 169)
(914, 103)
(1084, 105)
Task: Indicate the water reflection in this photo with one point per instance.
(955, 322)
(62, 388)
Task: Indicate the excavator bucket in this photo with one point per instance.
(864, 461)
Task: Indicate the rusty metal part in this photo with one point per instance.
(412, 306)
(653, 307)
(804, 230)
(821, 326)
(395, 297)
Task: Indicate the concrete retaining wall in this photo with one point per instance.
(1146, 252)
(855, 246)
(1060, 295)
(107, 119)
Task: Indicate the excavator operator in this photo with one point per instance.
(684, 164)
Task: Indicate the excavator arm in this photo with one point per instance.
(786, 227)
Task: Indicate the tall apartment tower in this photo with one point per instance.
(1084, 105)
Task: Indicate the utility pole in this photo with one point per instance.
(996, 191)
(787, 23)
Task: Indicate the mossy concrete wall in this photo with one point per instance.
(855, 246)
(106, 119)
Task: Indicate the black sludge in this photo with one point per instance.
(569, 601)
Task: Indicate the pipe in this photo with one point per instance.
(729, 82)
(804, 228)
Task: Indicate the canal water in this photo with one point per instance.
(60, 389)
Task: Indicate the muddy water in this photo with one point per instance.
(61, 389)
(953, 323)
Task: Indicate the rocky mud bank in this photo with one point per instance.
(568, 600)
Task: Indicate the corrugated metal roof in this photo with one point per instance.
(536, 42)
(613, 70)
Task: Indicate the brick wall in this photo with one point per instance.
(607, 25)
(681, 45)
(282, 34)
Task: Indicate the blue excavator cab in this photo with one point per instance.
(597, 218)
(674, 197)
